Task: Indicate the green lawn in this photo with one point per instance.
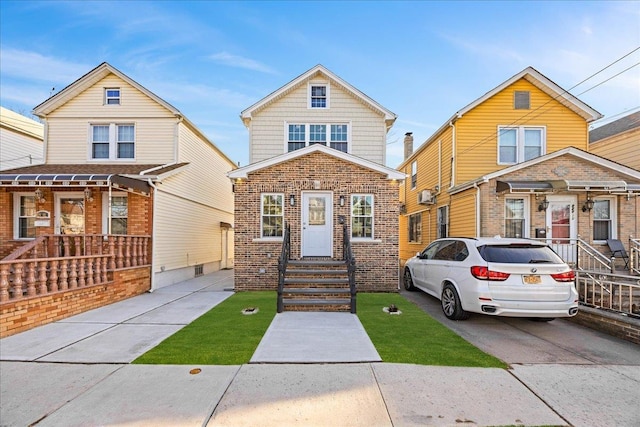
(225, 336)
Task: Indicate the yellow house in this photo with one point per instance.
(515, 163)
(618, 141)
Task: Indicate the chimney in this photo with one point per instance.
(408, 145)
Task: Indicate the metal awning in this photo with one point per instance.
(596, 185)
(76, 180)
(524, 186)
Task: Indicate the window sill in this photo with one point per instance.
(268, 239)
(364, 240)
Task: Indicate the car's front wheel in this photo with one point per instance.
(408, 280)
(451, 305)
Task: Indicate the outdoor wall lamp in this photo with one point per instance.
(341, 200)
(39, 196)
(292, 200)
(88, 194)
(543, 205)
(588, 205)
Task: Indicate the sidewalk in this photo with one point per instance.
(76, 372)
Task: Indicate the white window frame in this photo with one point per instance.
(262, 214)
(327, 95)
(354, 197)
(105, 209)
(525, 215)
(108, 98)
(613, 211)
(16, 214)
(414, 174)
(520, 131)
(113, 142)
(307, 134)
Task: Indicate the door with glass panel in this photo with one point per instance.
(69, 213)
(317, 224)
(561, 220)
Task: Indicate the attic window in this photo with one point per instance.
(112, 96)
(318, 96)
(521, 100)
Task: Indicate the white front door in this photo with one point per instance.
(561, 226)
(317, 224)
(69, 213)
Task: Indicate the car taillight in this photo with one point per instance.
(483, 273)
(567, 276)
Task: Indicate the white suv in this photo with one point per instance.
(497, 276)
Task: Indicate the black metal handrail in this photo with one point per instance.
(282, 264)
(350, 260)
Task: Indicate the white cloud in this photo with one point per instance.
(241, 62)
(25, 65)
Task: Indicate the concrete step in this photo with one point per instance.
(316, 281)
(321, 291)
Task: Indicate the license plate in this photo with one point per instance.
(533, 279)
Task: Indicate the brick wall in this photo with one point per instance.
(377, 261)
(614, 324)
(25, 314)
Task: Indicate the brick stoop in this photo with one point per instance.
(316, 285)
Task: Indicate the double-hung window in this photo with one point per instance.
(112, 141)
(514, 217)
(272, 215)
(362, 216)
(318, 98)
(24, 208)
(117, 213)
(300, 135)
(517, 144)
(604, 219)
(443, 222)
(415, 228)
(112, 96)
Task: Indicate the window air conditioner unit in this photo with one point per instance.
(425, 197)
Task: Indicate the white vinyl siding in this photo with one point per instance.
(19, 150)
(269, 125)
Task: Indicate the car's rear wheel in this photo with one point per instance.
(451, 305)
(408, 280)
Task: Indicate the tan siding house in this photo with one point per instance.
(21, 140)
(515, 163)
(618, 141)
(317, 150)
(125, 174)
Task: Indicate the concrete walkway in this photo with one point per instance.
(76, 372)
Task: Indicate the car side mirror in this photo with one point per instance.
(419, 255)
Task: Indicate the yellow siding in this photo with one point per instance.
(623, 148)
(367, 127)
(69, 125)
(462, 215)
(476, 131)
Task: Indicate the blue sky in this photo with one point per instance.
(422, 60)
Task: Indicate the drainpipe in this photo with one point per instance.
(453, 150)
(153, 239)
(475, 185)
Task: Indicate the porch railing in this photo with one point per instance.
(282, 264)
(53, 263)
(579, 254)
(613, 292)
(350, 260)
(634, 256)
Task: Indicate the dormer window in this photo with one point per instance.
(112, 96)
(521, 100)
(318, 97)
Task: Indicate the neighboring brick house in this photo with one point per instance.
(618, 141)
(317, 153)
(515, 163)
(21, 140)
(125, 174)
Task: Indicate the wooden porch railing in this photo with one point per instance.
(53, 263)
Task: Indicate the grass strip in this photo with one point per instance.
(414, 336)
(222, 336)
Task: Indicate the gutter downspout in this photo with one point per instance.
(453, 158)
(176, 139)
(153, 238)
(475, 185)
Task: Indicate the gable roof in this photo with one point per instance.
(247, 114)
(21, 124)
(626, 123)
(244, 171)
(581, 154)
(534, 77)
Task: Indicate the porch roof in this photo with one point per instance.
(613, 187)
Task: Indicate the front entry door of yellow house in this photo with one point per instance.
(69, 213)
(317, 224)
